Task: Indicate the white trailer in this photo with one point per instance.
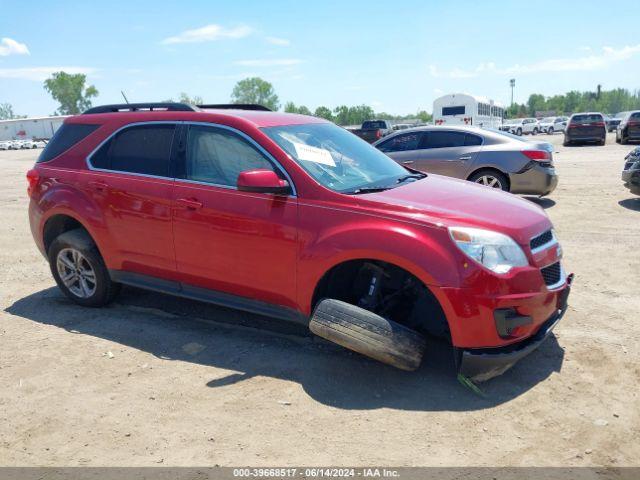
(30, 128)
(465, 109)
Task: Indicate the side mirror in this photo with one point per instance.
(262, 181)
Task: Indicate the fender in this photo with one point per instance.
(58, 196)
(417, 249)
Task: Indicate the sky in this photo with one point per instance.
(394, 56)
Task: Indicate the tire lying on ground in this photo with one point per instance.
(367, 333)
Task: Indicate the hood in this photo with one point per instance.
(443, 200)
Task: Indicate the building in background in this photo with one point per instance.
(41, 128)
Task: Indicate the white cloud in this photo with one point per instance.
(600, 61)
(39, 74)
(268, 62)
(283, 42)
(208, 33)
(9, 46)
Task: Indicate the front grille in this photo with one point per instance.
(541, 239)
(551, 274)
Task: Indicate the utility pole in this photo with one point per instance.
(512, 83)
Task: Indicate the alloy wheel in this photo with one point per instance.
(489, 181)
(76, 273)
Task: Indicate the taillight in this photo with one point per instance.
(598, 124)
(32, 180)
(379, 134)
(537, 154)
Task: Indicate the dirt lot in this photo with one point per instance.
(154, 380)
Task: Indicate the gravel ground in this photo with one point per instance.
(153, 380)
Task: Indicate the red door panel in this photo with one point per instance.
(137, 213)
(236, 242)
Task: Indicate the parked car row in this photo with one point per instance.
(531, 126)
(22, 144)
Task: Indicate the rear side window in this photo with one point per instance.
(453, 110)
(587, 118)
(144, 149)
(471, 140)
(444, 139)
(65, 137)
(401, 143)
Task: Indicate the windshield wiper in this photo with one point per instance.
(368, 190)
(404, 178)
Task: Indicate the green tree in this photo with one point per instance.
(69, 90)
(536, 103)
(195, 100)
(255, 90)
(6, 111)
(341, 115)
(291, 107)
(359, 114)
(324, 112)
(424, 116)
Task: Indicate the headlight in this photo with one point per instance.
(497, 252)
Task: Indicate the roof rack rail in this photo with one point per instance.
(237, 106)
(134, 107)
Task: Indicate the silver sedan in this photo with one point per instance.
(489, 157)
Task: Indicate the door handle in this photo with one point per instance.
(190, 203)
(99, 186)
(407, 162)
(465, 157)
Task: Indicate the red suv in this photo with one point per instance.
(294, 217)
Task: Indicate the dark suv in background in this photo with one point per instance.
(629, 128)
(585, 127)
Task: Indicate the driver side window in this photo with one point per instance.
(217, 156)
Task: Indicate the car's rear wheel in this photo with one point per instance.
(519, 132)
(491, 178)
(623, 140)
(79, 270)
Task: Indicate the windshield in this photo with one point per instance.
(547, 120)
(337, 159)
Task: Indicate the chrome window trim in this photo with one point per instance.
(246, 137)
(113, 134)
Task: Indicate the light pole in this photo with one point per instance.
(512, 83)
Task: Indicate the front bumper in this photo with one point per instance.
(537, 180)
(481, 364)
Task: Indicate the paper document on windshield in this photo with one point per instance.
(313, 154)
